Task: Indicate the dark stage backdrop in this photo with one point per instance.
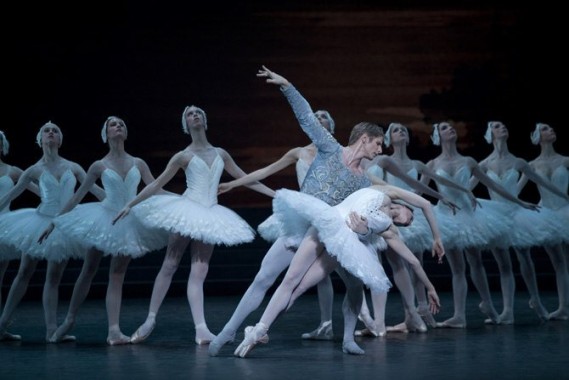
(362, 60)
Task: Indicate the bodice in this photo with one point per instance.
(202, 180)
(119, 191)
(55, 194)
(6, 184)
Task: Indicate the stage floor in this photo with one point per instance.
(526, 350)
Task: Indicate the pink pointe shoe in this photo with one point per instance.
(253, 336)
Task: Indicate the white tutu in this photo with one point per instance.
(22, 228)
(213, 224)
(90, 223)
(298, 211)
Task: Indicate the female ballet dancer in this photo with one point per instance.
(278, 257)
(367, 212)
(56, 178)
(417, 236)
(555, 168)
(90, 223)
(194, 217)
(531, 229)
(471, 230)
(9, 175)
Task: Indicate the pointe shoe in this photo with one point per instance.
(367, 320)
(540, 310)
(323, 332)
(5, 336)
(64, 339)
(427, 316)
(253, 336)
(138, 336)
(119, 340)
(219, 341)
(367, 332)
(398, 328)
(451, 325)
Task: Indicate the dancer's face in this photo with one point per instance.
(115, 128)
(447, 132)
(499, 131)
(402, 216)
(51, 135)
(323, 119)
(399, 133)
(195, 118)
(372, 146)
(547, 133)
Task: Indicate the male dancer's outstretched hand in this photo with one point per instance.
(273, 77)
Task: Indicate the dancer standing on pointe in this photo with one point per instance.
(555, 168)
(90, 223)
(9, 175)
(56, 178)
(194, 217)
(531, 229)
(279, 255)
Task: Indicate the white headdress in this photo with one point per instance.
(185, 125)
(48, 124)
(536, 134)
(488, 135)
(5, 144)
(435, 137)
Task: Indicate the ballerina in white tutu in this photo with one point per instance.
(531, 229)
(352, 232)
(470, 230)
(278, 257)
(9, 175)
(56, 178)
(194, 217)
(555, 168)
(399, 170)
(90, 223)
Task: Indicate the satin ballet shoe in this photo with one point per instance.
(367, 320)
(559, 315)
(203, 342)
(139, 336)
(219, 341)
(253, 336)
(540, 310)
(5, 336)
(449, 324)
(351, 348)
(367, 333)
(63, 339)
(427, 316)
(323, 332)
(398, 328)
(119, 340)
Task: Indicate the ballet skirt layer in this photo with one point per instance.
(196, 213)
(297, 212)
(22, 228)
(91, 223)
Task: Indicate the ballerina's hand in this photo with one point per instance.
(272, 77)
(45, 234)
(434, 301)
(438, 250)
(452, 206)
(124, 212)
(357, 223)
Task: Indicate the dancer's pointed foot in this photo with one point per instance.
(219, 341)
(559, 315)
(506, 318)
(5, 336)
(253, 336)
(322, 332)
(415, 323)
(491, 313)
(351, 348)
(398, 328)
(367, 320)
(117, 338)
(61, 332)
(539, 309)
(203, 335)
(452, 323)
(143, 332)
(427, 316)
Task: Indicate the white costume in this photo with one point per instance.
(91, 223)
(22, 228)
(298, 211)
(196, 213)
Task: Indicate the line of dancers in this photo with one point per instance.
(353, 206)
